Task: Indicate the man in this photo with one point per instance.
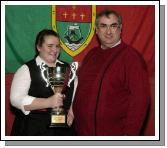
(112, 96)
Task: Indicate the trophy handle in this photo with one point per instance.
(73, 68)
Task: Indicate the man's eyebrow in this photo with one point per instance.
(109, 24)
(114, 24)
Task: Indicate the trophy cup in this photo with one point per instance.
(59, 77)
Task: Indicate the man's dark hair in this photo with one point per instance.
(107, 13)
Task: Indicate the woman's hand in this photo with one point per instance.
(55, 100)
(70, 116)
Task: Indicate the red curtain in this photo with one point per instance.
(9, 116)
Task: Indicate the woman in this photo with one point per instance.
(32, 96)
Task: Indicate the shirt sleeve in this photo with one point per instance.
(19, 89)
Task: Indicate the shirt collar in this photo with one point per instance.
(119, 42)
(40, 61)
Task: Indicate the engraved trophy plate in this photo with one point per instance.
(58, 117)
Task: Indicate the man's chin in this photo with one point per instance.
(109, 44)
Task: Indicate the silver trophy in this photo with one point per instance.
(58, 78)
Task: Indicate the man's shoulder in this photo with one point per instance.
(132, 52)
(132, 55)
(92, 51)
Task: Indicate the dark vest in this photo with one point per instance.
(38, 85)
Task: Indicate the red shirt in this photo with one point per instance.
(112, 97)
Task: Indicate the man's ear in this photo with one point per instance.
(120, 26)
(96, 30)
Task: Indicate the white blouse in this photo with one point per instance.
(20, 86)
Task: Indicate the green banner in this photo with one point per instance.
(22, 24)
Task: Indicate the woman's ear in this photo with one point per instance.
(38, 48)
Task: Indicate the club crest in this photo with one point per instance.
(75, 26)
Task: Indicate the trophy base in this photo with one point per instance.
(59, 121)
(55, 125)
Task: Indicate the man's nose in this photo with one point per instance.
(108, 30)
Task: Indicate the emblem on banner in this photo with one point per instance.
(75, 26)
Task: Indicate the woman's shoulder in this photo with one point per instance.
(62, 63)
(22, 70)
(30, 62)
